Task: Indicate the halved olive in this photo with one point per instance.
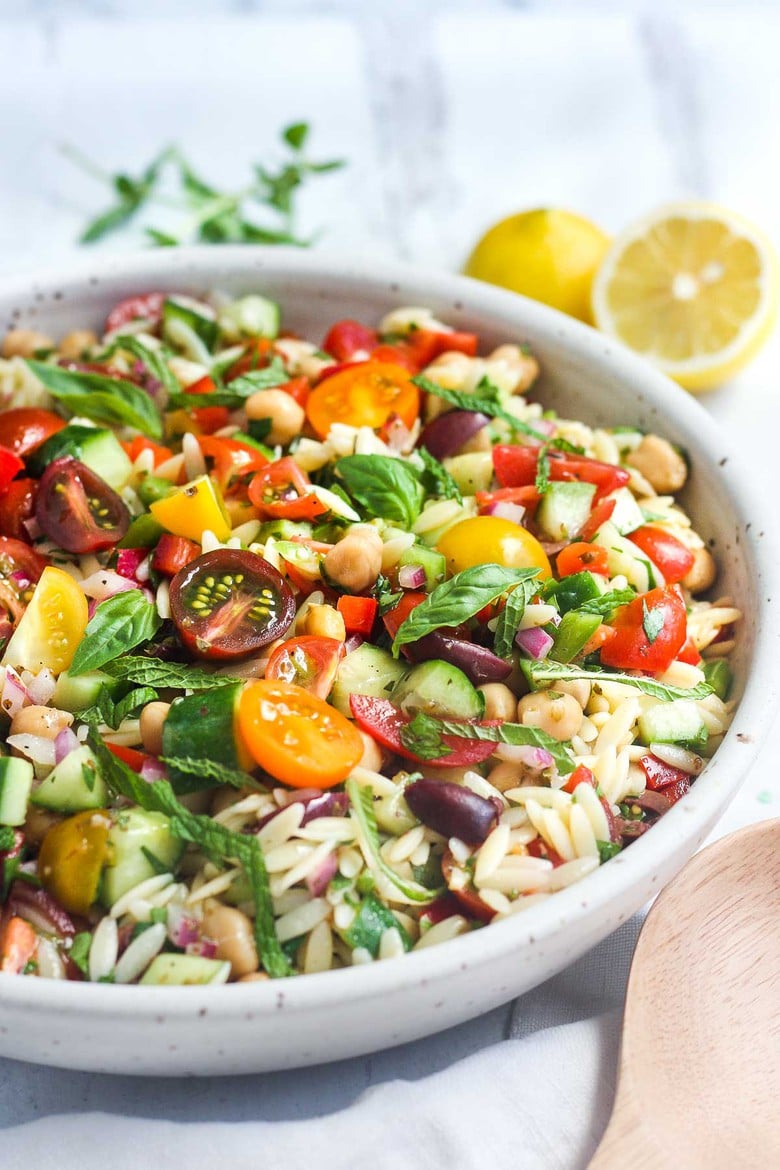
(229, 604)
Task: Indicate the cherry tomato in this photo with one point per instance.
(71, 860)
(174, 553)
(51, 626)
(255, 357)
(347, 338)
(649, 632)
(660, 775)
(517, 466)
(689, 653)
(580, 775)
(204, 385)
(147, 307)
(296, 736)
(140, 443)
(311, 662)
(231, 460)
(665, 551)
(20, 570)
(384, 722)
(25, 428)
(78, 510)
(358, 614)
(10, 465)
(229, 604)
(208, 419)
(466, 897)
(18, 945)
(428, 344)
(280, 491)
(580, 555)
(527, 496)
(482, 540)
(17, 504)
(364, 394)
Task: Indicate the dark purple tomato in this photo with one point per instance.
(78, 510)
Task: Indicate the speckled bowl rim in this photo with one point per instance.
(590, 897)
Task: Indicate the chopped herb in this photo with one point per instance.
(608, 849)
(79, 951)
(424, 739)
(652, 622)
(542, 481)
(210, 772)
(382, 486)
(509, 619)
(547, 671)
(7, 838)
(436, 480)
(100, 398)
(362, 810)
(510, 733)
(154, 672)
(485, 398)
(608, 602)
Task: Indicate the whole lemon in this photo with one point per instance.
(549, 255)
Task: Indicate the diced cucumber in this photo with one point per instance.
(717, 673)
(250, 316)
(185, 971)
(140, 845)
(675, 722)
(572, 634)
(440, 689)
(190, 329)
(16, 780)
(203, 726)
(366, 671)
(472, 472)
(564, 508)
(95, 447)
(625, 558)
(429, 559)
(627, 514)
(284, 529)
(81, 691)
(73, 785)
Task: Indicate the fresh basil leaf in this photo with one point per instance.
(362, 809)
(652, 622)
(152, 360)
(153, 672)
(436, 480)
(485, 398)
(210, 770)
(274, 374)
(220, 844)
(119, 624)
(79, 950)
(384, 487)
(384, 594)
(296, 135)
(460, 598)
(102, 399)
(423, 739)
(515, 734)
(547, 671)
(608, 602)
(509, 619)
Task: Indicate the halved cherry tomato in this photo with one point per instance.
(229, 604)
(346, 338)
(309, 661)
(297, 737)
(599, 515)
(20, 570)
(51, 626)
(208, 419)
(255, 357)
(25, 428)
(130, 756)
(140, 443)
(358, 614)
(527, 496)
(364, 394)
(280, 491)
(71, 859)
(395, 617)
(10, 465)
(580, 775)
(174, 553)
(384, 721)
(18, 946)
(689, 653)
(231, 459)
(482, 540)
(649, 632)
(17, 504)
(78, 510)
(665, 551)
(204, 385)
(580, 555)
(147, 307)
(517, 466)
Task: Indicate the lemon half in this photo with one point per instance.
(693, 288)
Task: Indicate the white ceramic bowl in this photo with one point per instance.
(312, 1018)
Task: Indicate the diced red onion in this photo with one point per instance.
(448, 433)
(20, 579)
(106, 583)
(41, 687)
(14, 694)
(91, 608)
(411, 576)
(545, 426)
(36, 747)
(535, 641)
(66, 741)
(152, 770)
(398, 437)
(183, 929)
(39, 908)
(32, 528)
(479, 664)
(318, 880)
(327, 804)
(205, 948)
(535, 758)
(129, 560)
(506, 510)
(352, 643)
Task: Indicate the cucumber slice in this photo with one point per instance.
(250, 316)
(472, 472)
(97, 448)
(80, 692)
(185, 970)
(73, 785)
(203, 726)
(433, 562)
(366, 671)
(440, 689)
(625, 558)
(140, 845)
(676, 722)
(627, 514)
(564, 509)
(717, 673)
(284, 530)
(16, 780)
(189, 330)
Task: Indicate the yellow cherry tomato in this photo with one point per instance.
(71, 859)
(485, 540)
(52, 625)
(192, 509)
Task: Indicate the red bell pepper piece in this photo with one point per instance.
(358, 613)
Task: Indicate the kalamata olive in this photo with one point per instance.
(467, 898)
(452, 810)
(479, 664)
(447, 433)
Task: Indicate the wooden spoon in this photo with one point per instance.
(699, 1081)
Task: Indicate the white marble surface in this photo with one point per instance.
(450, 115)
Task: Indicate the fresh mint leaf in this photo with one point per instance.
(211, 771)
(362, 810)
(7, 838)
(509, 619)
(460, 598)
(79, 951)
(153, 672)
(112, 714)
(100, 398)
(485, 398)
(608, 602)
(152, 360)
(542, 481)
(436, 480)
(515, 734)
(384, 487)
(547, 671)
(235, 394)
(119, 624)
(608, 849)
(423, 739)
(205, 328)
(652, 622)
(296, 135)
(369, 924)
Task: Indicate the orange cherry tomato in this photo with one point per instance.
(363, 394)
(140, 443)
(297, 737)
(581, 555)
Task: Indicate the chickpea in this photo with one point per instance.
(38, 822)
(505, 775)
(662, 466)
(74, 345)
(558, 714)
(702, 572)
(479, 442)
(500, 703)
(254, 977)
(232, 932)
(356, 561)
(372, 757)
(152, 719)
(324, 621)
(47, 722)
(524, 364)
(287, 417)
(24, 343)
(578, 688)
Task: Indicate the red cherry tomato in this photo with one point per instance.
(10, 465)
(147, 307)
(255, 357)
(578, 556)
(600, 514)
(689, 653)
(358, 614)
(230, 460)
(20, 568)
(140, 443)
(25, 428)
(428, 344)
(310, 662)
(174, 553)
(649, 632)
(384, 721)
(517, 467)
(209, 419)
(527, 496)
(346, 338)
(466, 897)
(78, 510)
(229, 604)
(280, 491)
(671, 782)
(665, 551)
(17, 504)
